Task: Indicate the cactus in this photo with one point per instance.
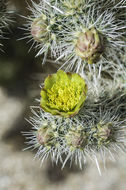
(87, 38)
(99, 127)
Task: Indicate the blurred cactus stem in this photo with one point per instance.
(2, 6)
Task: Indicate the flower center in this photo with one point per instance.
(64, 96)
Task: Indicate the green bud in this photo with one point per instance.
(73, 4)
(104, 133)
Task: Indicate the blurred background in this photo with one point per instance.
(20, 76)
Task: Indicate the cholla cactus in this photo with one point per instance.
(80, 33)
(71, 122)
(98, 128)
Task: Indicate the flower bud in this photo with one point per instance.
(45, 136)
(88, 46)
(39, 29)
(104, 133)
(76, 139)
(73, 4)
